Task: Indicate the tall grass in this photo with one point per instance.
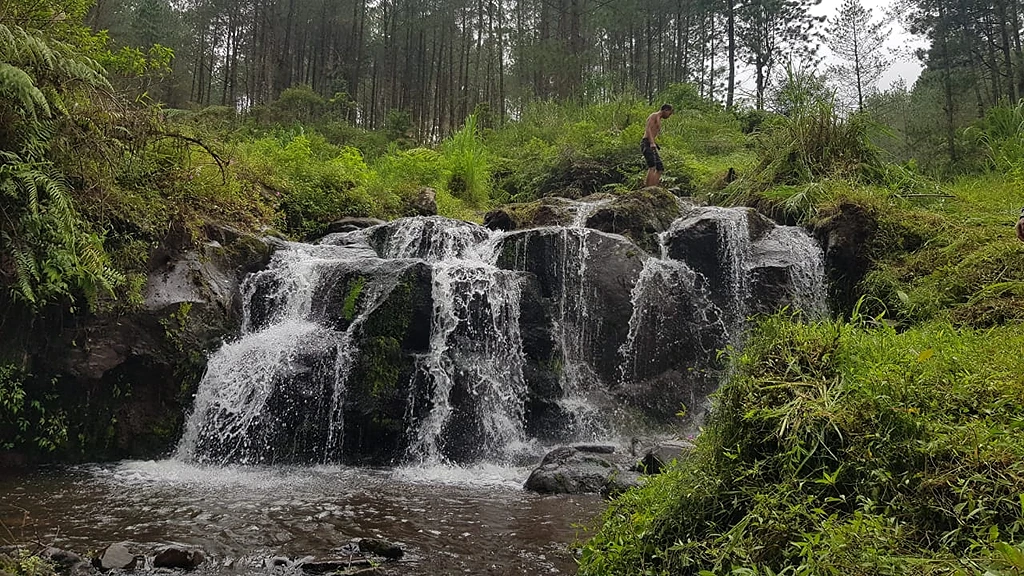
(815, 142)
(841, 448)
(468, 164)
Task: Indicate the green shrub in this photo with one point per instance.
(840, 449)
(1001, 135)
(813, 143)
(468, 165)
(28, 422)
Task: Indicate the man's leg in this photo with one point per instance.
(652, 177)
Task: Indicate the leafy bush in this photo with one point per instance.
(840, 448)
(812, 143)
(1001, 135)
(467, 162)
(317, 182)
(28, 421)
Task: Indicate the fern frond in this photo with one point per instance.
(18, 85)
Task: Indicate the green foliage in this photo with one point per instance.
(813, 142)
(1001, 135)
(468, 165)
(23, 563)
(29, 421)
(840, 449)
(317, 182)
(47, 246)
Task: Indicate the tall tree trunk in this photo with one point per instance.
(731, 33)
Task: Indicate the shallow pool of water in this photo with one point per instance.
(448, 520)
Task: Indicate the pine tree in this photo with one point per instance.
(859, 43)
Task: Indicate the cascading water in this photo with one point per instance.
(438, 341)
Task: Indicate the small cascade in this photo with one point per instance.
(475, 363)
(673, 318)
(248, 398)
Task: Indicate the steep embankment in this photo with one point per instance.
(884, 444)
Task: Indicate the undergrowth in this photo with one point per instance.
(842, 448)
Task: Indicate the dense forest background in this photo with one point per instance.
(438, 61)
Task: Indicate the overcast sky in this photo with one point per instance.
(905, 65)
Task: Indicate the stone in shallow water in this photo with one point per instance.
(179, 558)
(116, 557)
(379, 547)
(569, 470)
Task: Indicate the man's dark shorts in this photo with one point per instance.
(651, 155)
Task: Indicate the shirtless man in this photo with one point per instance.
(649, 148)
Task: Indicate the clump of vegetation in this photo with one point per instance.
(21, 562)
(841, 448)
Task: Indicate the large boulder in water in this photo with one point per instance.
(581, 470)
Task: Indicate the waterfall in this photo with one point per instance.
(438, 341)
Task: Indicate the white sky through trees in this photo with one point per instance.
(904, 64)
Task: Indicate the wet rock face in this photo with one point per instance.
(846, 235)
(136, 368)
(586, 278)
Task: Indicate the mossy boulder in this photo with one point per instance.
(639, 215)
(548, 211)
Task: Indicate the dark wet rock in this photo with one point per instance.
(660, 455)
(720, 243)
(424, 203)
(351, 225)
(568, 470)
(621, 482)
(846, 235)
(594, 272)
(116, 557)
(382, 548)
(62, 560)
(178, 558)
(136, 367)
(639, 215)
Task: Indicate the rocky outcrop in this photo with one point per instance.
(548, 211)
(639, 215)
(846, 235)
(123, 378)
(593, 273)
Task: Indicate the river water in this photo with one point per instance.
(448, 520)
